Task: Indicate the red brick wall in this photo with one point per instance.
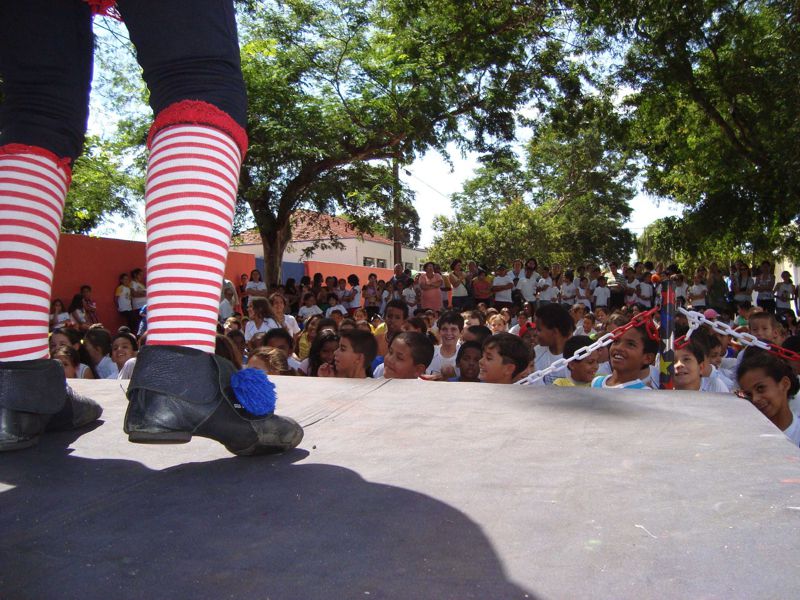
(98, 262)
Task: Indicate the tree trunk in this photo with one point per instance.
(274, 239)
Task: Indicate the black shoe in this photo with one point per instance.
(178, 392)
(34, 397)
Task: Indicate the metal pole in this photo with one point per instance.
(667, 334)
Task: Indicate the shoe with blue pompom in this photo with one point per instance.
(176, 393)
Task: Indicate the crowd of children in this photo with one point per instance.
(338, 328)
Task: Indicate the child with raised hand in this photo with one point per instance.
(581, 372)
(769, 382)
(505, 359)
(353, 358)
(408, 356)
(631, 353)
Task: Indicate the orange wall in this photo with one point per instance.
(98, 262)
(342, 271)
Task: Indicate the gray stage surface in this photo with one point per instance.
(416, 490)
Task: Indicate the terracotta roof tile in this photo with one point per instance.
(308, 225)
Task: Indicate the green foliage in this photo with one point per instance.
(101, 187)
(569, 205)
(337, 87)
(713, 110)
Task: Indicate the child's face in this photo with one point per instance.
(327, 351)
(688, 371)
(547, 336)
(469, 365)
(449, 333)
(498, 325)
(763, 330)
(715, 356)
(628, 355)
(121, 350)
(766, 394)
(281, 344)
(70, 372)
(337, 316)
(584, 370)
(492, 367)
(399, 363)
(410, 327)
(587, 324)
(346, 360)
(57, 340)
(394, 319)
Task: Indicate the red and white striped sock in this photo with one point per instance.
(33, 188)
(190, 196)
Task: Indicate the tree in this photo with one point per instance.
(101, 187)
(713, 107)
(337, 87)
(568, 205)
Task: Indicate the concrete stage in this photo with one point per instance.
(411, 489)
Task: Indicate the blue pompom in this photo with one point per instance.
(254, 391)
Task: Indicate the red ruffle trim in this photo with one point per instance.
(64, 163)
(104, 8)
(196, 112)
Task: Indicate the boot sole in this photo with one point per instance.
(160, 437)
(18, 445)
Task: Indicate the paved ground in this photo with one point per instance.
(416, 490)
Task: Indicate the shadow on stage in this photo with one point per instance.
(268, 527)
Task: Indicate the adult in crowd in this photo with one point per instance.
(458, 283)
(430, 284)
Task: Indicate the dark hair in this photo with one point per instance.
(451, 317)
(326, 322)
(99, 337)
(235, 334)
(397, 304)
(575, 343)
(308, 295)
(476, 314)
(135, 272)
(73, 335)
(278, 332)
(418, 323)
(128, 336)
(70, 353)
(467, 346)
(792, 343)
(774, 367)
(223, 347)
(363, 343)
(421, 347)
(352, 279)
(698, 349)
(481, 332)
(261, 307)
(76, 304)
(555, 316)
(651, 346)
(314, 358)
(454, 263)
(511, 349)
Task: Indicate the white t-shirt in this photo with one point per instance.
(569, 292)
(682, 291)
(505, 295)
(308, 311)
(355, 301)
(766, 281)
(549, 294)
(783, 289)
(106, 368)
(259, 286)
(60, 319)
(644, 292)
(410, 296)
(584, 297)
(138, 302)
(338, 308)
(601, 296)
(793, 431)
(290, 325)
(527, 288)
(225, 309)
(545, 358)
(631, 288)
(440, 361)
(123, 293)
(698, 288)
(250, 329)
(713, 384)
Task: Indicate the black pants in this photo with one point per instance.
(188, 50)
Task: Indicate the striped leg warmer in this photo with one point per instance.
(33, 188)
(190, 195)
